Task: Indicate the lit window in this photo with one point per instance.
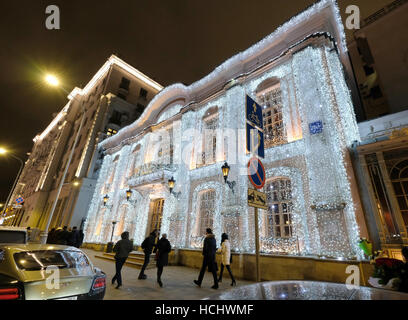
(209, 143)
(271, 100)
(279, 214)
(399, 178)
(206, 213)
(111, 132)
(143, 93)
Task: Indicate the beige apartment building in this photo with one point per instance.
(115, 97)
(379, 54)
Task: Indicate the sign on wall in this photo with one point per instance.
(316, 127)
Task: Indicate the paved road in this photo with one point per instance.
(177, 283)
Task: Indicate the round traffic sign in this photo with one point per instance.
(256, 173)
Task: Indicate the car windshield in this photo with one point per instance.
(39, 260)
(12, 236)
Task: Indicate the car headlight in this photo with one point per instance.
(2, 255)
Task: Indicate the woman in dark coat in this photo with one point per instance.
(163, 249)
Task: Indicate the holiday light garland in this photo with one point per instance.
(313, 88)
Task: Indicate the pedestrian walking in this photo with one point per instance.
(73, 239)
(209, 251)
(63, 236)
(122, 249)
(29, 234)
(163, 249)
(147, 246)
(226, 258)
(81, 238)
(51, 236)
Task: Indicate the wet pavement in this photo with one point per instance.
(177, 283)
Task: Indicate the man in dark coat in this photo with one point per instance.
(63, 236)
(81, 238)
(73, 239)
(163, 249)
(147, 246)
(51, 236)
(209, 251)
(122, 248)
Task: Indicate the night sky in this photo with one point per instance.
(170, 41)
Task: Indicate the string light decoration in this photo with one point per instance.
(313, 88)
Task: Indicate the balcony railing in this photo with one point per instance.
(152, 167)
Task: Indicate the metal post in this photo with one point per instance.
(44, 234)
(258, 266)
(113, 229)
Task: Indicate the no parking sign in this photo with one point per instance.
(256, 173)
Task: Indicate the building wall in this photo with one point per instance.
(102, 113)
(382, 44)
(327, 215)
(380, 160)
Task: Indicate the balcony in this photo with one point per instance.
(151, 173)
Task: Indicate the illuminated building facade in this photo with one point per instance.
(298, 75)
(115, 97)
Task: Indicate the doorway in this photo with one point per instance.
(156, 215)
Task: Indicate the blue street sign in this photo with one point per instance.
(20, 200)
(316, 127)
(255, 141)
(256, 173)
(254, 113)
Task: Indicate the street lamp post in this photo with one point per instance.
(54, 82)
(3, 151)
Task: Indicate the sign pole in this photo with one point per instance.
(258, 266)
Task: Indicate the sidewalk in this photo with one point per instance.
(177, 283)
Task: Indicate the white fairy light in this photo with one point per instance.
(323, 215)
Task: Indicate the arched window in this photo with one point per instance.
(399, 179)
(206, 211)
(279, 213)
(269, 96)
(208, 154)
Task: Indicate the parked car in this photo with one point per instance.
(42, 272)
(13, 235)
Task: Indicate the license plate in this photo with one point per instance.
(68, 298)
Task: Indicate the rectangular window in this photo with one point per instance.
(122, 96)
(275, 133)
(207, 209)
(116, 118)
(279, 214)
(376, 92)
(111, 132)
(368, 70)
(143, 93)
(125, 83)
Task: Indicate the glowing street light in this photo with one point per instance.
(52, 80)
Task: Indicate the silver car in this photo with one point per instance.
(39, 272)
